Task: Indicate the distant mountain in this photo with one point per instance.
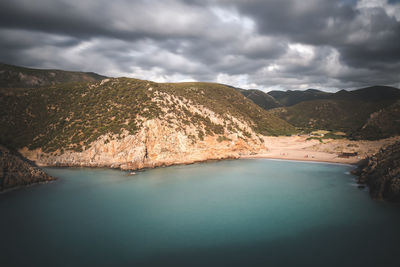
(377, 93)
(290, 98)
(344, 95)
(346, 111)
(339, 115)
(260, 98)
(20, 77)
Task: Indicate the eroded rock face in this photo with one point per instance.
(15, 171)
(156, 144)
(381, 173)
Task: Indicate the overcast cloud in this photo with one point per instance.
(265, 44)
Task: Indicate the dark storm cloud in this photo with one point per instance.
(285, 44)
(295, 18)
(363, 36)
(121, 19)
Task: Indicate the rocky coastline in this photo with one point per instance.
(381, 173)
(16, 171)
(153, 146)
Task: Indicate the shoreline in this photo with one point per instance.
(300, 148)
(301, 160)
(256, 156)
(293, 148)
(335, 160)
(111, 167)
(339, 151)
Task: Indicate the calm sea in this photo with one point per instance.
(228, 213)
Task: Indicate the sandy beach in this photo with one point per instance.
(329, 150)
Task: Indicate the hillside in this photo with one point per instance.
(15, 171)
(377, 94)
(334, 115)
(290, 98)
(20, 77)
(346, 111)
(381, 124)
(260, 98)
(131, 123)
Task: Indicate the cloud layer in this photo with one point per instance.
(274, 44)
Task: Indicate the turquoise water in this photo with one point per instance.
(228, 213)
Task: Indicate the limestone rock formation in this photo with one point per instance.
(156, 144)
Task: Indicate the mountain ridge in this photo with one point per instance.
(12, 76)
(346, 111)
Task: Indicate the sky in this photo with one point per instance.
(263, 44)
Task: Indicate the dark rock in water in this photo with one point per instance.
(16, 171)
(381, 173)
(361, 186)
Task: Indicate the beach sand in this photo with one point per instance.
(299, 148)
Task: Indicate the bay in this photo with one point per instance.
(229, 213)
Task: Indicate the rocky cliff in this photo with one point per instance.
(15, 171)
(130, 124)
(156, 144)
(381, 173)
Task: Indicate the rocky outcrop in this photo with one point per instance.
(381, 173)
(156, 144)
(15, 171)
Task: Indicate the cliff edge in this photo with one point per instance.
(15, 171)
(381, 173)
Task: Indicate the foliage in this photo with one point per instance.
(20, 77)
(381, 124)
(260, 98)
(73, 115)
(333, 114)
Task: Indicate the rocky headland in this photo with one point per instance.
(156, 144)
(15, 171)
(381, 173)
(132, 124)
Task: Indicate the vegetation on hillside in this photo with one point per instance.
(226, 102)
(20, 77)
(347, 111)
(72, 115)
(70, 110)
(260, 98)
(290, 98)
(381, 124)
(338, 115)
